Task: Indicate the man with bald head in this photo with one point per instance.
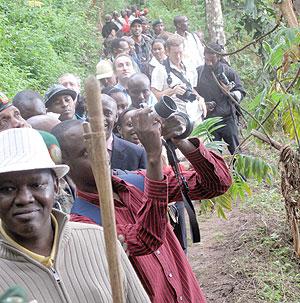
(123, 154)
(43, 122)
(138, 87)
(141, 217)
(29, 103)
(193, 53)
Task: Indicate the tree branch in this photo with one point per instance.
(239, 106)
(291, 85)
(263, 138)
(247, 45)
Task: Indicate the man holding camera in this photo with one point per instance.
(172, 79)
(141, 217)
(218, 84)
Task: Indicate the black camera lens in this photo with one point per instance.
(165, 107)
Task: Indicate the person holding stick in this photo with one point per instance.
(141, 216)
(52, 259)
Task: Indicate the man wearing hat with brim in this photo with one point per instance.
(61, 101)
(105, 73)
(158, 27)
(142, 43)
(52, 259)
(10, 116)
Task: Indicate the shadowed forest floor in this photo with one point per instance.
(247, 258)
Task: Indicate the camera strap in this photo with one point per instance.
(173, 161)
(178, 74)
(231, 99)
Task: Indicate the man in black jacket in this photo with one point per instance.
(218, 103)
(123, 154)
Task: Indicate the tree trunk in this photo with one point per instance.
(214, 21)
(290, 185)
(286, 7)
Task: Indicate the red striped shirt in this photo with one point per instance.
(153, 249)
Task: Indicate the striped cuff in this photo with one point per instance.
(200, 154)
(156, 189)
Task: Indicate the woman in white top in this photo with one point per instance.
(158, 50)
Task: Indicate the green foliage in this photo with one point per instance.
(116, 5)
(39, 43)
(168, 9)
(254, 167)
(276, 270)
(245, 167)
(282, 65)
(237, 191)
(205, 129)
(245, 21)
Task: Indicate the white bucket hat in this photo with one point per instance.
(24, 149)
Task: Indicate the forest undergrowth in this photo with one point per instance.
(249, 257)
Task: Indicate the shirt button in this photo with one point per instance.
(170, 275)
(180, 298)
(158, 252)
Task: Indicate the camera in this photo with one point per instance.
(223, 78)
(165, 107)
(188, 96)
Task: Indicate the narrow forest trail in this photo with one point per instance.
(218, 261)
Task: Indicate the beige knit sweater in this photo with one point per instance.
(80, 271)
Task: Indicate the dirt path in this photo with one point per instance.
(214, 260)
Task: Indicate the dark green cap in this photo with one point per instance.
(58, 90)
(53, 146)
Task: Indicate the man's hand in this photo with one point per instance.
(225, 88)
(147, 126)
(202, 105)
(173, 127)
(179, 89)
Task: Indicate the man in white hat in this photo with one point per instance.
(105, 73)
(40, 250)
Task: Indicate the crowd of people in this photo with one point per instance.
(50, 240)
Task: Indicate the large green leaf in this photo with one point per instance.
(253, 167)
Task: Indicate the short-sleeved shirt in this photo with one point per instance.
(159, 82)
(193, 55)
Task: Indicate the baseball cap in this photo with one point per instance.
(58, 90)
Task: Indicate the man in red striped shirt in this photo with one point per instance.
(141, 217)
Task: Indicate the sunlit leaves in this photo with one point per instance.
(253, 167)
(245, 167)
(206, 128)
(291, 118)
(40, 40)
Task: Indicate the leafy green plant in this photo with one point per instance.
(245, 167)
(207, 127)
(40, 42)
(253, 167)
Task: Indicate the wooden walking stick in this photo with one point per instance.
(94, 135)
